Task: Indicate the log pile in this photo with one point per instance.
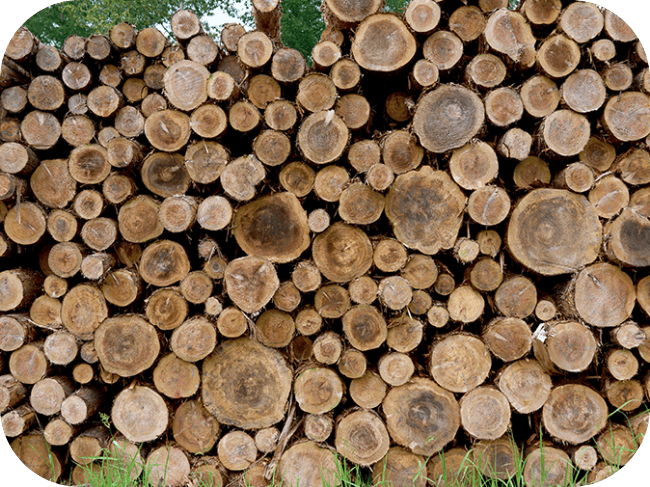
(433, 240)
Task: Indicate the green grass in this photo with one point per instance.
(116, 473)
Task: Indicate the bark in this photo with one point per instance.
(19, 287)
(18, 421)
(48, 394)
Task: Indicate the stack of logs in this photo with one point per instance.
(432, 240)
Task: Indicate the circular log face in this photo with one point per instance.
(361, 437)
(460, 362)
(426, 209)
(165, 174)
(566, 132)
(83, 309)
(508, 33)
(342, 252)
(126, 345)
(604, 295)
(485, 413)
(140, 414)
(251, 282)
(318, 390)
(627, 116)
(383, 43)
(274, 227)
(448, 118)
(246, 384)
(163, 263)
(400, 466)
(308, 465)
(364, 327)
(554, 231)
(526, 385)
(323, 137)
(168, 130)
(186, 84)
(574, 413)
(421, 416)
(353, 11)
(548, 466)
(630, 238)
(25, 223)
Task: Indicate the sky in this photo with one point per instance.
(220, 18)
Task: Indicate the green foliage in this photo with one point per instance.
(398, 6)
(55, 23)
(302, 24)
